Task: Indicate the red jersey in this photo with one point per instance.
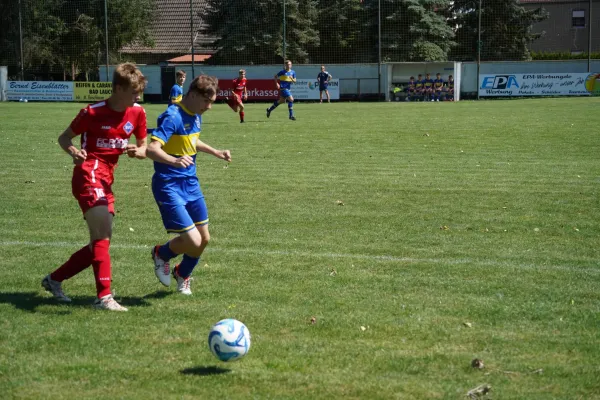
(238, 86)
(105, 133)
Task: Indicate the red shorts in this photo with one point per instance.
(92, 185)
(234, 101)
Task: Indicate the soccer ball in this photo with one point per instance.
(229, 340)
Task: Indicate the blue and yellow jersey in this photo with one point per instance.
(428, 83)
(285, 78)
(451, 84)
(178, 130)
(176, 94)
(438, 83)
(419, 84)
(411, 86)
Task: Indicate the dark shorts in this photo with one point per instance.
(323, 86)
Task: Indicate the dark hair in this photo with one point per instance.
(205, 85)
(180, 73)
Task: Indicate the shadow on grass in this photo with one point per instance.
(205, 371)
(30, 301)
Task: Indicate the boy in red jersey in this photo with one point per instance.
(239, 89)
(105, 129)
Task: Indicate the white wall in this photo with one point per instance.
(469, 70)
(353, 77)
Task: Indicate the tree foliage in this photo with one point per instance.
(251, 31)
(69, 36)
(505, 30)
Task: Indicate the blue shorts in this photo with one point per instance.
(180, 202)
(323, 86)
(285, 93)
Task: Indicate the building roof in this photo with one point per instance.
(198, 58)
(171, 29)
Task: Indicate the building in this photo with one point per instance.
(172, 34)
(567, 27)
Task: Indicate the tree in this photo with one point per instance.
(505, 30)
(68, 35)
(415, 30)
(345, 33)
(251, 31)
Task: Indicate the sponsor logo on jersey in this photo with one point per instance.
(128, 127)
(105, 143)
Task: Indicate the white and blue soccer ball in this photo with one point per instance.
(229, 340)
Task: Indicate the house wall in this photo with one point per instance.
(559, 34)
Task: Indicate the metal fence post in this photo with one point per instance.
(21, 43)
(105, 37)
(478, 49)
(192, 37)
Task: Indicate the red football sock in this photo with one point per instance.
(101, 265)
(241, 115)
(79, 261)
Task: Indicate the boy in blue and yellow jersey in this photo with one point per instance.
(428, 87)
(438, 85)
(283, 81)
(411, 88)
(177, 89)
(419, 85)
(449, 89)
(173, 147)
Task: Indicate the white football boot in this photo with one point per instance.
(183, 284)
(108, 303)
(55, 288)
(162, 268)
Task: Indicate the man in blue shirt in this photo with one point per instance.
(283, 81)
(177, 89)
(323, 79)
(173, 147)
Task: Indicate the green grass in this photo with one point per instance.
(515, 182)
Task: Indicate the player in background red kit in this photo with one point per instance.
(105, 128)
(239, 91)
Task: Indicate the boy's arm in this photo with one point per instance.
(205, 148)
(65, 140)
(159, 138)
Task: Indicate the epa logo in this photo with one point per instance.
(499, 82)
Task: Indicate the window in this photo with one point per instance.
(578, 19)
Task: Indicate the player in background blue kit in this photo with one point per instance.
(438, 85)
(284, 80)
(173, 147)
(323, 77)
(177, 89)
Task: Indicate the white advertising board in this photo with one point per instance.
(308, 89)
(40, 90)
(532, 84)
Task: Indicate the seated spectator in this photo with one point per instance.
(450, 89)
(411, 89)
(438, 85)
(419, 87)
(428, 87)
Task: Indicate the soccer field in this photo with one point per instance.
(419, 236)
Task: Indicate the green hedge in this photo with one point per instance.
(561, 56)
